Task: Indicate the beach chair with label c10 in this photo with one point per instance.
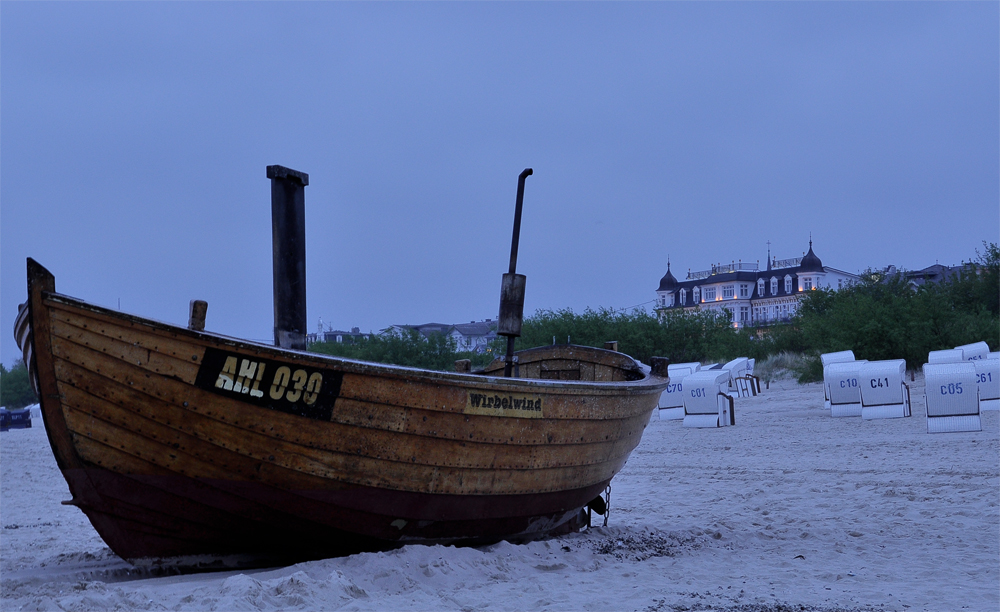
(828, 358)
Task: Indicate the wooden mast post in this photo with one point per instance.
(288, 243)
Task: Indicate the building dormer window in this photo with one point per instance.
(774, 285)
(760, 288)
(683, 296)
(670, 299)
(696, 293)
(788, 283)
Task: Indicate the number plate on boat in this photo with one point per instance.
(286, 387)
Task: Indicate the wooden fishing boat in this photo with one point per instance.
(179, 443)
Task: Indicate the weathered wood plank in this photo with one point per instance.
(206, 507)
(185, 453)
(130, 350)
(242, 435)
(129, 342)
(184, 429)
(474, 428)
(168, 340)
(557, 402)
(477, 428)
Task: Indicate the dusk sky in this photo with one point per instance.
(134, 139)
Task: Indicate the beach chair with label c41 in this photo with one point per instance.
(884, 395)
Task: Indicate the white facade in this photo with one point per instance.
(473, 336)
(749, 295)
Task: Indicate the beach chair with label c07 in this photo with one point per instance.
(671, 404)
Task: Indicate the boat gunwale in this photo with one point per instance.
(649, 382)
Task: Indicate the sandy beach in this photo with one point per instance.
(788, 510)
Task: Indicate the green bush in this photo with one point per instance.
(779, 365)
(808, 369)
(410, 348)
(15, 388)
(884, 318)
(679, 337)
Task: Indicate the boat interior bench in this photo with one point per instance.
(578, 363)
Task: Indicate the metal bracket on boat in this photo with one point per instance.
(512, 287)
(607, 504)
(600, 505)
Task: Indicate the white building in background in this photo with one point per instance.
(336, 335)
(473, 336)
(751, 296)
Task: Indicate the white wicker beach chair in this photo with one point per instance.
(952, 397)
(706, 404)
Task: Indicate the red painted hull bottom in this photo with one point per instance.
(162, 517)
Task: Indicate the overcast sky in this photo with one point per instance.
(135, 138)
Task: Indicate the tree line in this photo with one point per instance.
(880, 317)
(15, 389)
(884, 318)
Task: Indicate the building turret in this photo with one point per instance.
(668, 282)
(810, 262)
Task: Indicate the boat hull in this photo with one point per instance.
(178, 443)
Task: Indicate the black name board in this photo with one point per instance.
(286, 387)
